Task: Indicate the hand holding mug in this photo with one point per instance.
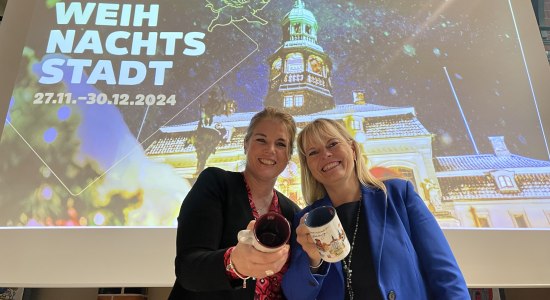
(303, 237)
(327, 233)
(271, 231)
(250, 261)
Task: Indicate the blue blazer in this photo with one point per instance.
(412, 258)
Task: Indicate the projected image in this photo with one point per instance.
(118, 107)
(2, 9)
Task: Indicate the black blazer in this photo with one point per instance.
(213, 212)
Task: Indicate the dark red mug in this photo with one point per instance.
(270, 233)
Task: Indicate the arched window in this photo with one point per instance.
(294, 63)
(297, 27)
(315, 65)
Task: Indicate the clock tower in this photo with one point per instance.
(300, 71)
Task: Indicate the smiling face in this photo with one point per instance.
(267, 150)
(330, 159)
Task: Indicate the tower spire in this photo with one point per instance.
(299, 4)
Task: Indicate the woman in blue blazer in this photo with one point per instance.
(398, 250)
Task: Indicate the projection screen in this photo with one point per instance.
(111, 110)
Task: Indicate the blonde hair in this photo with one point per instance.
(317, 131)
(271, 113)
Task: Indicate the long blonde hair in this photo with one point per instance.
(317, 131)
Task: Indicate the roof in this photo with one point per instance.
(486, 162)
(394, 126)
(242, 119)
(173, 143)
(458, 188)
(379, 122)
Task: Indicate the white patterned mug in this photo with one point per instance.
(327, 233)
(270, 233)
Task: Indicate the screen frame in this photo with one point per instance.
(144, 257)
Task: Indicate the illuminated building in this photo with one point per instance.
(482, 190)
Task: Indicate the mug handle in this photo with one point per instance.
(246, 236)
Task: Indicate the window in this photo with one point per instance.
(481, 218)
(315, 65)
(505, 181)
(294, 101)
(520, 220)
(299, 100)
(483, 221)
(297, 27)
(294, 63)
(288, 101)
(356, 125)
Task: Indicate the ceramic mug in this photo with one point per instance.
(270, 233)
(328, 234)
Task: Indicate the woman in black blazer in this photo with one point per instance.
(210, 263)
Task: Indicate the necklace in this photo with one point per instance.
(262, 210)
(347, 261)
(258, 211)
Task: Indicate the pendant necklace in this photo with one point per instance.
(347, 261)
(266, 205)
(264, 209)
(256, 210)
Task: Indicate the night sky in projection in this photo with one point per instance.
(396, 51)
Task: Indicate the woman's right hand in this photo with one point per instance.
(304, 239)
(250, 262)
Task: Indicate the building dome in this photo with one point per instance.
(300, 27)
(300, 14)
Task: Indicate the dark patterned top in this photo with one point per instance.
(269, 287)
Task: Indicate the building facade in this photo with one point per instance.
(485, 190)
